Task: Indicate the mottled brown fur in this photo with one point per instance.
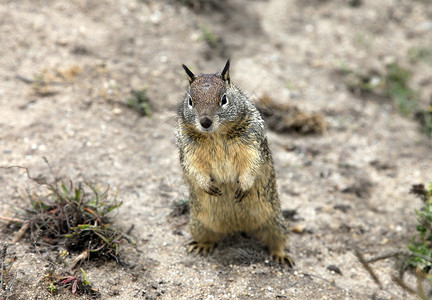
(228, 167)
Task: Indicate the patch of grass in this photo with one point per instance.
(180, 208)
(68, 218)
(76, 217)
(216, 46)
(208, 36)
(422, 242)
(71, 216)
(397, 88)
(140, 102)
(417, 54)
(393, 84)
(77, 282)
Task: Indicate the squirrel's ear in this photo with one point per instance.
(189, 74)
(225, 73)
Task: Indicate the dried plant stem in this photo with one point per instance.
(23, 229)
(365, 264)
(389, 254)
(21, 232)
(9, 219)
(420, 290)
(83, 256)
(403, 285)
(2, 258)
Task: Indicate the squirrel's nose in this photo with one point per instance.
(206, 122)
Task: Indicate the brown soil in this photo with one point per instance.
(67, 68)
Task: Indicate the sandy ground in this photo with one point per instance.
(350, 186)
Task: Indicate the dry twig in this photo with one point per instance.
(21, 232)
(9, 219)
(420, 290)
(83, 256)
(396, 279)
(2, 258)
(402, 284)
(365, 265)
(394, 253)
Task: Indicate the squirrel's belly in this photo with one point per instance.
(225, 214)
(225, 173)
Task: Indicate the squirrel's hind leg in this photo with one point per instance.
(274, 235)
(205, 239)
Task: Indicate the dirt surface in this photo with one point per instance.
(350, 186)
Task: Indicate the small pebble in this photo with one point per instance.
(334, 269)
(117, 111)
(300, 228)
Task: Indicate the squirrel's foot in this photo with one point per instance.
(282, 258)
(203, 248)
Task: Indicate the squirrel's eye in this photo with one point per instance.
(190, 101)
(224, 100)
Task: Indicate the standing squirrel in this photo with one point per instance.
(228, 166)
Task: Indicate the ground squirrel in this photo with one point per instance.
(228, 166)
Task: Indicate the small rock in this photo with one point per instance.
(334, 269)
(342, 207)
(289, 214)
(117, 111)
(362, 188)
(80, 50)
(300, 228)
(380, 165)
(355, 3)
(177, 231)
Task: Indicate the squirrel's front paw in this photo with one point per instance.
(214, 190)
(240, 194)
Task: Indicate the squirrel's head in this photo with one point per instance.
(211, 100)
